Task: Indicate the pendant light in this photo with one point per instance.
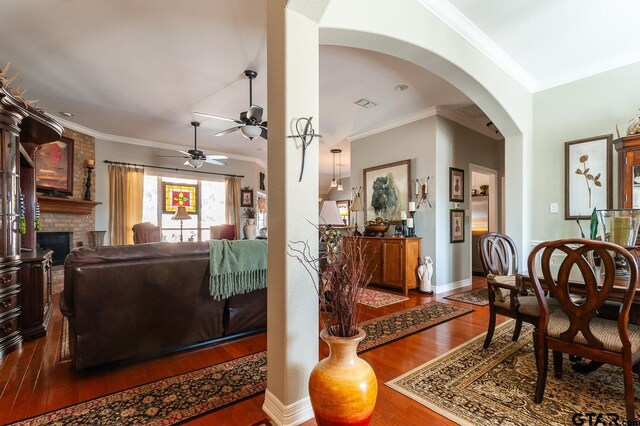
(340, 172)
(333, 180)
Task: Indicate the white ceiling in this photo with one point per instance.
(138, 69)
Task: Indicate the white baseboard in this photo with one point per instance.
(287, 415)
(442, 288)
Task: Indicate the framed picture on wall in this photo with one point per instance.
(456, 225)
(588, 181)
(456, 185)
(54, 166)
(386, 191)
(246, 197)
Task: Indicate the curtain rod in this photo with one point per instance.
(171, 168)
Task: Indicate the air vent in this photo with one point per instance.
(365, 103)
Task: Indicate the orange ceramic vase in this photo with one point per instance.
(343, 387)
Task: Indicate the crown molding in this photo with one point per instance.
(589, 70)
(429, 112)
(458, 22)
(144, 142)
(465, 121)
(442, 111)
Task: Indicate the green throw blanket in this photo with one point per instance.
(237, 267)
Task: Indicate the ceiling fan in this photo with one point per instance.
(250, 122)
(195, 157)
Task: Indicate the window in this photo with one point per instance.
(208, 208)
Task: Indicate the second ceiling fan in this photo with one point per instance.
(250, 121)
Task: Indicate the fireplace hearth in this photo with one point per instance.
(59, 242)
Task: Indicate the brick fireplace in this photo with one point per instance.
(78, 225)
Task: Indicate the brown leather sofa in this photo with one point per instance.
(126, 302)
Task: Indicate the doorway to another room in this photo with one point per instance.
(484, 209)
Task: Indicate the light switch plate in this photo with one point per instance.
(553, 207)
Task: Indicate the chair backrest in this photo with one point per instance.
(498, 254)
(146, 232)
(597, 283)
(223, 232)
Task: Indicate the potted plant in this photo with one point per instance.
(249, 228)
(342, 387)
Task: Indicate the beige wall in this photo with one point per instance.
(433, 145)
(585, 108)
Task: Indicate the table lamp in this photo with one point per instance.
(329, 214)
(181, 215)
(356, 206)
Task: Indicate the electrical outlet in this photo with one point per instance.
(553, 208)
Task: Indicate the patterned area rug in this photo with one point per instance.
(477, 296)
(376, 299)
(65, 353)
(185, 396)
(387, 328)
(471, 385)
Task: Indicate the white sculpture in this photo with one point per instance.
(425, 272)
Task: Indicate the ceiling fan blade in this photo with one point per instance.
(263, 134)
(255, 113)
(217, 117)
(186, 163)
(171, 156)
(216, 162)
(184, 152)
(216, 157)
(224, 132)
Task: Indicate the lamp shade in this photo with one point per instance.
(356, 204)
(195, 162)
(329, 214)
(181, 214)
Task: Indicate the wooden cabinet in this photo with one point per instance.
(18, 122)
(35, 274)
(393, 261)
(628, 149)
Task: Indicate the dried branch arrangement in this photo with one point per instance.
(339, 277)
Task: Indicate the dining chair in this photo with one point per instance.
(499, 258)
(575, 328)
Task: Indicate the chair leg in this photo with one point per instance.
(557, 364)
(629, 399)
(491, 329)
(542, 354)
(516, 331)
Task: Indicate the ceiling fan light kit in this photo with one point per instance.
(195, 157)
(250, 122)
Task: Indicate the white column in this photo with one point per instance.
(292, 335)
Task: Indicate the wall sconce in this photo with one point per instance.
(422, 192)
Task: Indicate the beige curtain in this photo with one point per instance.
(232, 203)
(126, 187)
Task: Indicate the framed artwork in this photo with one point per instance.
(54, 166)
(456, 185)
(456, 226)
(176, 195)
(246, 197)
(387, 189)
(588, 176)
(344, 207)
(263, 187)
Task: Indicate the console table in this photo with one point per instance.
(393, 261)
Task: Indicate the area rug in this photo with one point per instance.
(475, 386)
(189, 395)
(387, 328)
(477, 296)
(377, 299)
(65, 353)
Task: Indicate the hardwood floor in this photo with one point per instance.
(32, 381)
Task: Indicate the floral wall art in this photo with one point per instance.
(588, 180)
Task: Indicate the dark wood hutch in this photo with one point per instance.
(25, 294)
(628, 148)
